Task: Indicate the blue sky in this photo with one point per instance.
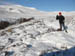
(45, 5)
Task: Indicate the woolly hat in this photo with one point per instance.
(60, 13)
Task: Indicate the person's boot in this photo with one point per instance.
(66, 31)
(59, 29)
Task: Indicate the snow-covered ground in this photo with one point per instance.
(36, 37)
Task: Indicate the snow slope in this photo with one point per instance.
(37, 37)
(33, 38)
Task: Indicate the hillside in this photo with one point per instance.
(36, 37)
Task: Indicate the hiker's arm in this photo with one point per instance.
(64, 18)
(57, 17)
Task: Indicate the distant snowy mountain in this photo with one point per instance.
(9, 12)
(12, 12)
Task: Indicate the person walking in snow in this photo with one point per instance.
(61, 19)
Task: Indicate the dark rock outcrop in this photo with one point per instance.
(4, 24)
(21, 20)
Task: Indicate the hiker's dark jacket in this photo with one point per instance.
(60, 18)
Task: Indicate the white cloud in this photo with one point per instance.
(33, 8)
